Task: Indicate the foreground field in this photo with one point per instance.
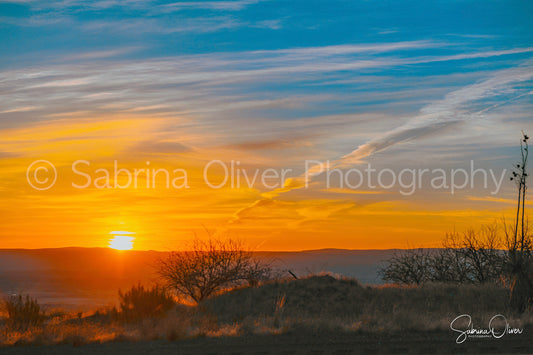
(298, 343)
(319, 314)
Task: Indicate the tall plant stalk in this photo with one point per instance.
(519, 256)
(524, 150)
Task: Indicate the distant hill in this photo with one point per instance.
(82, 278)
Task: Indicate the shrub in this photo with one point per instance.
(23, 312)
(139, 303)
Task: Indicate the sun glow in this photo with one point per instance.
(121, 242)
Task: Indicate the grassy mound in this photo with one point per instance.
(326, 302)
(313, 297)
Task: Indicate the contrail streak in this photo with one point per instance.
(432, 118)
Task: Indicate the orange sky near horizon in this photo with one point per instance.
(168, 218)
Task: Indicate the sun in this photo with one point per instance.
(121, 242)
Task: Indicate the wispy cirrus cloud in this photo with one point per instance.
(209, 5)
(181, 83)
(100, 54)
(153, 5)
(167, 26)
(141, 16)
(217, 91)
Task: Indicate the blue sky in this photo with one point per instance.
(173, 28)
(270, 83)
(411, 41)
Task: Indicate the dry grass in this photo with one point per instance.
(314, 304)
(329, 303)
(60, 329)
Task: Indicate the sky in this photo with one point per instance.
(188, 87)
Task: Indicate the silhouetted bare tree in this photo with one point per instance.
(478, 254)
(209, 266)
(469, 257)
(409, 267)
